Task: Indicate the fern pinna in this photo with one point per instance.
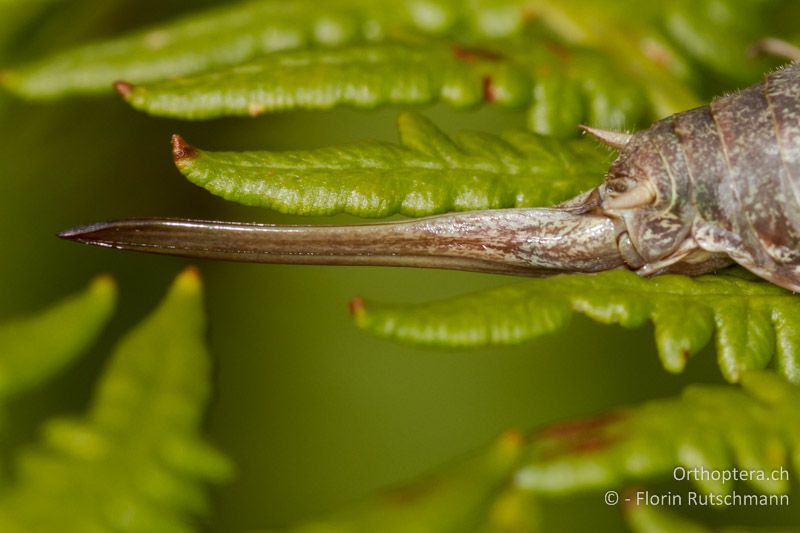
(135, 461)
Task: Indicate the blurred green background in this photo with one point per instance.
(314, 413)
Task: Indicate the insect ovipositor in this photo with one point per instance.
(696, 191)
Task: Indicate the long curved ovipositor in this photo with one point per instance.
(695, 192)
(509, 241)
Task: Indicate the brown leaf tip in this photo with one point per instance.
(357, 306)
(123, 88)
(181, 150)
(511, 439)
(189, 280)
(191, 272)
(104, 283)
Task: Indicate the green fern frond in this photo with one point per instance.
(470, 492)
(135, 462)
(427, 173)
(512, 511)
(719, 35)
(667, 44)
(646, 519)
(233, 34)
(657, 49)
(363, 76)
(755, 321)
(561, 87)
(756, 427)
(601, 77)
(34, 349)
(214, 38)
(8, 3)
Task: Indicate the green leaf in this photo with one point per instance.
(667, 46)
(217, 37)
(641, 39)
(718, 35)
(562, 87)
(755, 321)
(34, 349)
(513, 511)
(755, 427)
(135, 462)
(363, 76)
(230, 35)
(427, 173)
(648, 519)
(713, 427)
(608, 66)
(462, 497)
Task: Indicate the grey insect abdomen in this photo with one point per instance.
(742, 161)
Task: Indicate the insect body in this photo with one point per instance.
(715, 183)
(694, 192)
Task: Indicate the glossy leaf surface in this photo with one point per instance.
(560, 87)
(714, 427)
(196, 42)
(427, 173)
(754, 323)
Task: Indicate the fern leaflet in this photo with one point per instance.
(34, 349)
(427, 173)
(135, 462)
(644, 519)
(528, 72)
(756, 323)
(472, 491)
(714, 427)
(660, 48)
